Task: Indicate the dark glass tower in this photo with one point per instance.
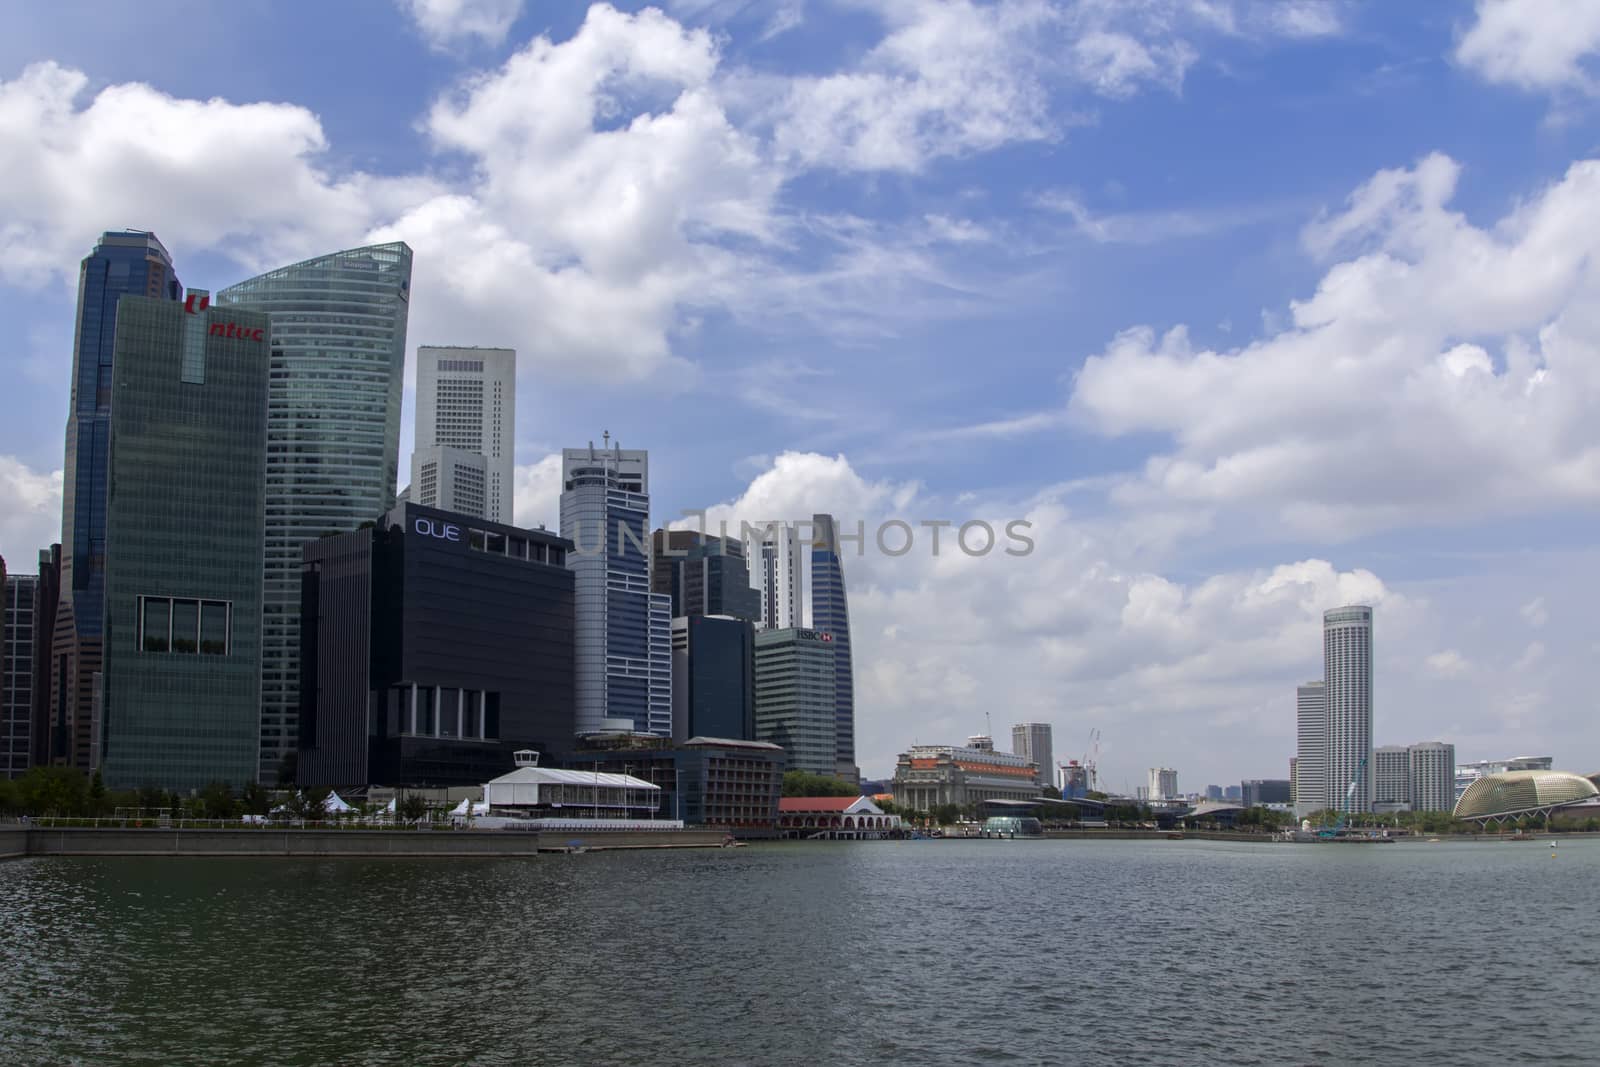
(122, 263)
(182, 652)
(333, 434)
(703, 574)
(830, 612)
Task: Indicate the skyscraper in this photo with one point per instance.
(46, 734)
(1031, 740)
(123, 262)
(333, 434)
(623, 645)
(773, 555)
(830, 612)
(18, 593)
(1347, 677)
(713, 678)
(1310, 763)
(1391, 778)
(795, 699)
(703, 575)
(1432, 773)
(182, 658)
(465, 430)
(1163, 784)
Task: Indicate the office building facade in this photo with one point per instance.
(713, 678)
(18, 596)
(1391, 778)
(1431, 767)
(1311, 747)
(1163, 784)
(1031, 741)
(123, 263)
(796, 698)
(435, 646)
(702, 574)
(830, 613)
(624, 631)
(704, 781)
(1261, 792)
(181, 686)
(465, 433)
(47, 735)
(773, 553)
(1347, 681)
(338, 351)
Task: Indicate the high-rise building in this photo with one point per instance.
(1294, 783)
(1259, 792)
(18, 592)
(128, 262)
(773, 555)
(435, 646)
(333, 434)
(183, 562)
(830, 613)
(1391, 778)
(465, 435)
(703, 575)
(624, 631)
(1163, 784)
(47, 736)
(1214, 792)
(1031, 740)
(796, 698)
(713, 678)
(1432, 772)
(1347, 677)
(1310, 764)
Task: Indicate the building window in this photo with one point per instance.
(185, 625)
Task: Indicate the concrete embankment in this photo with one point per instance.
(84, 841)
(1153, 835)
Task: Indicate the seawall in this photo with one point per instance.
(89, 841)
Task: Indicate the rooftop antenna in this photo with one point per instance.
(605, 438)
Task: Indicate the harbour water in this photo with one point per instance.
(1014, 952)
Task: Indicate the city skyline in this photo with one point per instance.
(1043, 302)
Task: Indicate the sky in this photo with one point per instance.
(1246, 309)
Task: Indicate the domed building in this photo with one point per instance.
(1514, 794)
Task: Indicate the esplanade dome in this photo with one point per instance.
(1517, 792)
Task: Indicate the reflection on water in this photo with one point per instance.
(1056, 952)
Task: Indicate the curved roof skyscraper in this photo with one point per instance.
(333, 433)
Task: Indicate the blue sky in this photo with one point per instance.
(926, 261)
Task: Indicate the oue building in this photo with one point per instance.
(433, 647)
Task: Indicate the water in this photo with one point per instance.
(1060, 952)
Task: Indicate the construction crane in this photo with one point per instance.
(1091, 764)
(1349, 795)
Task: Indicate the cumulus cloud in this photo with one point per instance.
(1448, 664)
(536, 499)
(1535, 612)
(31, 519)
(1533, 44)
(443, 23)
(1447, 372)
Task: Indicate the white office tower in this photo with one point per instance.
(1311, 750)
(1347, 678)
(1391, 778)
(1432, 772)
(1031, 740)
(1163, 784)
(623, 636)
(774, 556)
(465, 430)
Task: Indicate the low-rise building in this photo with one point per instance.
(835, 819)
(928, 776)
(554, 798)
(705, 781)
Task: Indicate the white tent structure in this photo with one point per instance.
(335, 805)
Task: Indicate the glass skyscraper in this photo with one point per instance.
(830, 612)
(1347, 690)
(623, 642)
(183, 564)
(123, 262)
(333, 434)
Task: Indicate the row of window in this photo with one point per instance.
(183, 625)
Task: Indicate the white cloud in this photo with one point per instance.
(443, 23)
(1448, 664)
(1445, 373)
(1303, 18)
(536, 493)
(1534, 44)
(1530, 656)
(1535, 612)
(31, 518)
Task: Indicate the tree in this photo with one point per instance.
(945, 814)
(97, 795)
(805, 784)
(53, 791)
(216, 801)
(254, 799)
(412, 808)
(288, 769)
(310, 805)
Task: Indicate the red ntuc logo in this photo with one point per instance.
(233, 329)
